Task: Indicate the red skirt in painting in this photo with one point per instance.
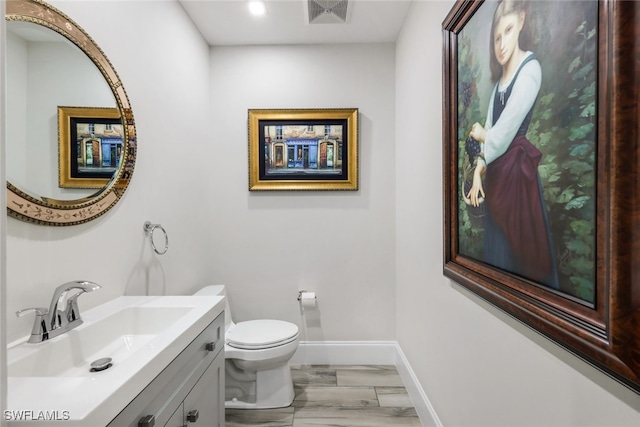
(515, 203)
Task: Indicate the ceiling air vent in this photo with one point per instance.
(327, 11)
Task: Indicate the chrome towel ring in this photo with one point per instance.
(149, 229)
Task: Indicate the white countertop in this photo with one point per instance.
(39, 395)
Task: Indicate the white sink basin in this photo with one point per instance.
(141, 335)
(117, 336)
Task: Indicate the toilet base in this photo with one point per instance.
(268, 389)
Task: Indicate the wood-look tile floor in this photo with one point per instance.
(337, 396)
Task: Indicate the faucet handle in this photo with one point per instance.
(39, 329)
(40, 311)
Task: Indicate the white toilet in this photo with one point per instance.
(257, 352)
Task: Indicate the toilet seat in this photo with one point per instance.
(261, 334)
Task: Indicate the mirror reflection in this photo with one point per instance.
(45, 71)
(71, 142)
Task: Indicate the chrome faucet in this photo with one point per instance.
(50, 323)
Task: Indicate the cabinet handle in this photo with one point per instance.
(193, 416)
(147, 421)
(210, 346)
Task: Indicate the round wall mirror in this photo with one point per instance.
(70, 137)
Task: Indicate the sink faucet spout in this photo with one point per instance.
(56, 321)
(63, 315)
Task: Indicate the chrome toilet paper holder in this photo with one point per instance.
(304, 292)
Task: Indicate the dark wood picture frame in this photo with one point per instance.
(606, 331)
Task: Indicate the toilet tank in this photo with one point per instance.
(218, 290)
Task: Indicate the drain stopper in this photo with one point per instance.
(101, 364)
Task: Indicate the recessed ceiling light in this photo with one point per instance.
(257, 7)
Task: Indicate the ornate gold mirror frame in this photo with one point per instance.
(49, 211)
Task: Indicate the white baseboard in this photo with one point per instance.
(369, 353)
(425, 410)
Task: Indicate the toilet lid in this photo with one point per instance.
(258, 334)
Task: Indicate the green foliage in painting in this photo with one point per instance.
(469, 71)
(564, 129)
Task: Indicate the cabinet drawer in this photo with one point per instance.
(167, 391)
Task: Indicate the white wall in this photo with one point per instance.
(477, 366)
(269, 245)
(164, 66)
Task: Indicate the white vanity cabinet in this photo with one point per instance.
(177, 419)
(204, 405)
(188, 392)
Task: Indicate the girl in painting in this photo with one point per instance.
(516, 236)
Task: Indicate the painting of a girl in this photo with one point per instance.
(516, 227)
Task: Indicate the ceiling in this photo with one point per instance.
(228, 22)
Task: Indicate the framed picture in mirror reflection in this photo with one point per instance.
(90, 145)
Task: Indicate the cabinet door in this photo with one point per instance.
(177, 419)
(207, 397)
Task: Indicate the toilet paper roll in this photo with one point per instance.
(307, 300)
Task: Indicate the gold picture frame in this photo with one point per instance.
(90, 146)
(303, 149)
